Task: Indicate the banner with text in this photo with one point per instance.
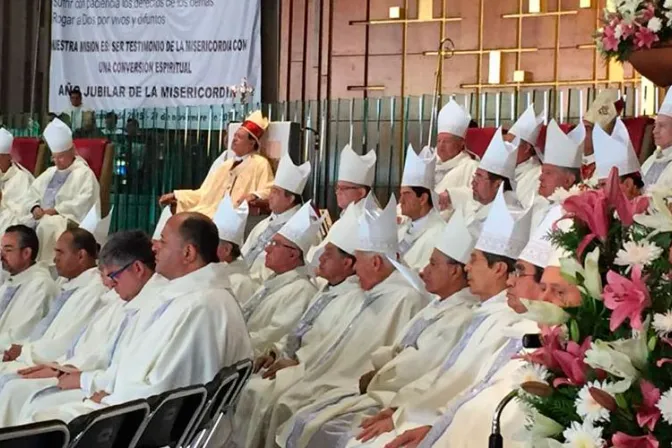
(126, 54)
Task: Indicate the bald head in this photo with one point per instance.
(188, 242)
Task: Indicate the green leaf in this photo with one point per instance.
(574, 330)
(621, 402)
(652, 343)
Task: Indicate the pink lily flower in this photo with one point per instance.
(551, 342)
(645, 38)
(626, 298)
(625, 208)
(622, 440)
(591, 209)
(609, 40)
(572, 363)
(647, 413)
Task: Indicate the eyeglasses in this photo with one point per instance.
(274, 243)
(519, 273)
(113, 275)
(343, 188)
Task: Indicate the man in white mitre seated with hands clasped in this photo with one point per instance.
(64, 192)
(195, 330)
(15, 180)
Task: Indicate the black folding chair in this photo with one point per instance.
(220, 390)
(171, 419)
(111, 427)
(49, 434)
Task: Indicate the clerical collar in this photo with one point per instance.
(284, 215)
(241, 158)
(420, 223)
(666, 152)
(589, 160)
(28, 274)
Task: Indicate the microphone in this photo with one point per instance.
(496, 440)
(532, 340)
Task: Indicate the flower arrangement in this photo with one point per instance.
(603, 376)
(629, 25)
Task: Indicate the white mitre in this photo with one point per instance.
(506, 230)
(501, 157)
(343, 234)
(356, 169)
(97, 226)
(453, 119)
(539, 249)
(666, 107)
(58, 136)
(528, 126)
(291, 177)
(377, 229)
(457, 240)
(6, 141)
(419, 168)
(302, 227)
(564, 150)
(166, 214)
(614, 150)
(231, 221)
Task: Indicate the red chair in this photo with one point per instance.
(641, 135)
(478, 139)
(541, 140)
(99, 154)
(29, 152)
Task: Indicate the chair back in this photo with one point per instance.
(171, 420)
(112, 427)
(99, 154)
(29, 152)
(244, 369)
(49, 434)
(641, 135)
(478, 139)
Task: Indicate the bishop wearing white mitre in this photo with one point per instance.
(459, 426)
(417, 236)
(496, 170)
(528, 165)
(92, 350)
(64, 192)
(455, 166)
(356, 175)
(15, 180)
(195, 329)
(26, 295)
(504, 235)
(657, 169)
(561, 168)
(419, 347)
(278, 304)
(231, 223)
(330, 310)
(284, 201)
(80, 297)
(391, 301)
(616, 150)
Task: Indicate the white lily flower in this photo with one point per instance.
(602, 356)
(544, 313)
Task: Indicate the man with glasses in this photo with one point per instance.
(419, 348)
(78, 300)
(27, 293)
(195, 322)
(278, 304)
(64, 193)
(285, 362)
(284, 201)
(127, 266)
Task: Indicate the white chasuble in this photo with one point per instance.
(324, 319)
(386, 310)
(455, 173)
(418, 238)
(420, 347)
(195, 331)
(463, 424)
(253, 175)
(242, 285)
(72, 192)
(253, 249)
(657, 169)
(24, 301)
(68, 314)
(275, 309)
(15, 203)
(527, 180)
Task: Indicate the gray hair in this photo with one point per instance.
(125, 247)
